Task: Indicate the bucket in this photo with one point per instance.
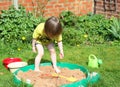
(6, 61)
(16, 65)
(81, 83)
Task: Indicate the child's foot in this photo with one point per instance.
(37, 70)
(57, 70)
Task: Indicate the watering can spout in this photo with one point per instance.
(93, 61)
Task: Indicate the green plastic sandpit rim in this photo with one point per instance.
(81, 83)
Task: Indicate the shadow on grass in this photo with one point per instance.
(31, 61)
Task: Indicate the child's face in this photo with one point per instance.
(52, 36)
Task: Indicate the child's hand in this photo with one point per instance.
(61, 55)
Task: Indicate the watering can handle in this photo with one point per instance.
(91, 55)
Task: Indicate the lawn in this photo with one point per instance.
(109, 70)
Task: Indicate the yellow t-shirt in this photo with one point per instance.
(41, 37)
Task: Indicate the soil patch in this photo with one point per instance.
(48, 77)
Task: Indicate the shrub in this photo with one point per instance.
(95, 26)
(87, 29)
(67, 18)
(17, 25)
(115, 27)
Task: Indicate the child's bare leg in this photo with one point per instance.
(39, 56)
(53, 57)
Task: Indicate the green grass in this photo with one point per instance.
(109, 70)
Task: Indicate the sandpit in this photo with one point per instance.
(48, 78)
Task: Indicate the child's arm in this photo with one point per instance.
(33, 45)
(60, 45)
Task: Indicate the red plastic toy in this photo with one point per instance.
(7, 61)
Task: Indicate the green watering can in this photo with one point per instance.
(93, 61)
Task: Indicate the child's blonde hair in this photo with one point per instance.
(53, 27)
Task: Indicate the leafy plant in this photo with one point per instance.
(87, 29)
(17, 25)
(67, 18)
(95, 26)
(70, 36)
(115, 27)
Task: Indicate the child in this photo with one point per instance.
(45, 34)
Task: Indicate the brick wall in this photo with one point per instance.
(52, 7)
(4, 4)
(107, 8)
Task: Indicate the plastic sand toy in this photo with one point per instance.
(71, 79)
